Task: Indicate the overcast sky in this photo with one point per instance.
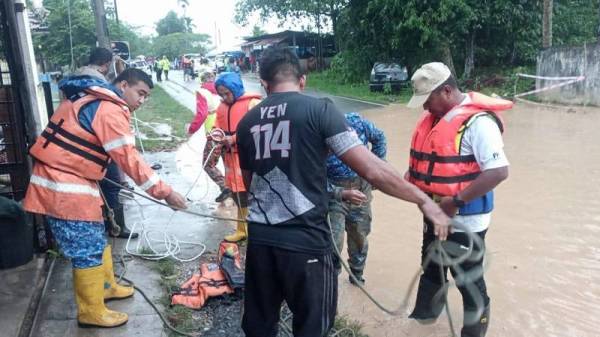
(209, 16)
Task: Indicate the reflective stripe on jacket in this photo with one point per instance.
(64, 180)
(228, 118)
(436, 165)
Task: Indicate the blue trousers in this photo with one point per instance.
(110, 191)
(81, 241)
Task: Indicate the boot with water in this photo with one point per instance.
(241, 232)
(89, 294)
(479, 328)
(428, 306)
(112, 290)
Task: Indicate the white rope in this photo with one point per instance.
(163, 244)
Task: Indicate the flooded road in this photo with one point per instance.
(543, 251)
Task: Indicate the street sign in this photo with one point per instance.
(121, 48)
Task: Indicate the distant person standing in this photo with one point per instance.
(165, 65)
(158, 70)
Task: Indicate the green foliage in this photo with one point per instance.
(162, 108)
(257, 31)
(575, 21)
(56, 44)
(175, 44)
(172, 23)
(328, 82)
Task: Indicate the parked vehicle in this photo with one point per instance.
(384, 73)
(140, 64)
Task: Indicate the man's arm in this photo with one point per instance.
(385, 178)
(112, 129)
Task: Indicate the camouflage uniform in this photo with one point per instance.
(354, 219)
(81, 241)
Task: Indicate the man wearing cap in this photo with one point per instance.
(457, 158)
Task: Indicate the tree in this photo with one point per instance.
(56, 44)
(547, 24)
(171, 23)
(257, 31)
(321, 12)
(175, 44)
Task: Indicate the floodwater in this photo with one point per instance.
(543, 251)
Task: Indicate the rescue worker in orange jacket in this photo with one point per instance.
(234, 106)
(89, 130)
(456, 157)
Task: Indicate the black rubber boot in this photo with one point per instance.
(120, 220)
(225, 193)
(428, 306)
(478, 329)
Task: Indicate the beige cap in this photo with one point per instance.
(425, 80)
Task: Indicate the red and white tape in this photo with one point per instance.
(554, 86)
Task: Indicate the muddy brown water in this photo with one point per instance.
(543, 251)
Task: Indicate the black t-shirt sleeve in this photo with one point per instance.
(331, 121)
(336, 132)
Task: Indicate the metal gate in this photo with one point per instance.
(14, 167)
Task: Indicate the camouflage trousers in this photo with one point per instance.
(355, 221)
(211, 162)
(81, 241)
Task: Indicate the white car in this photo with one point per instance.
(143, 65)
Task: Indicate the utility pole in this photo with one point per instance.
(117, 16)
(101, 27)
(547, 24)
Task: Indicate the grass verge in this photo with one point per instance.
(162, 108)
(327, 83)
(345, 327)
(179, 317)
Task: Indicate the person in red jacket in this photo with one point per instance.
(90, 129)
(236, 102)
(207, 102)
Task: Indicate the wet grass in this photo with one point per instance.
(345, 327)
(329, 84)
(178, 316)
(162, 108)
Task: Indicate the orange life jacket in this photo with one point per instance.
(436, 165)
(70, 160)
(66, 145)
(228, 118)
(211, 282)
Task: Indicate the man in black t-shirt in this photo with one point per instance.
(283, 146)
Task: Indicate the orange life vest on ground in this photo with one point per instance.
(436, 165)
(228, 118)
(194, 293)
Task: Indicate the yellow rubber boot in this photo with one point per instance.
(241, 232)
(112, 290)
(89, 294)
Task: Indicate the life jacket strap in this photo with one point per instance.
(57, 129)
(428, 178)
(422, 156)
